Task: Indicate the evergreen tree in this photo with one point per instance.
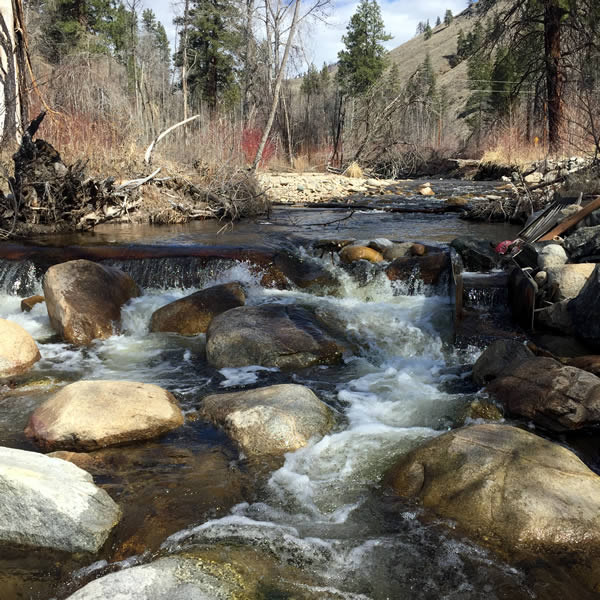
(448, 17)
(428, 31)
(213, 41)
(362, 62)
(438, 22)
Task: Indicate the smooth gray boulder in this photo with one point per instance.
(553, 395)
(50, 503)
(556, 317)
(270, 420)
(583, 242)
(270, 335)
(508, 486)
(497, 357)
(18, 350)
(170, 578)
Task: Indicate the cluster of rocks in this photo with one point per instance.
(550, 170)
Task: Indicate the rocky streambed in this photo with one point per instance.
(293, 421)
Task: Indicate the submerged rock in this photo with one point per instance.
(270, 335)
(497, 357)
(84, 299)
(192, 315)
(552, 395)
(270, 420)
(18, 350)
(50, 503)
(87, 415)
(507, 486)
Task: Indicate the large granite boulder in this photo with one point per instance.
(552, 395)
(88, 415)
(497, 357)
(84, 299)
(50, 503)
(192, 315)
(477, 255)
(270, 335)
(506, 486)
(567, 281)
(585, 310)
(18, 350)
(270, 420)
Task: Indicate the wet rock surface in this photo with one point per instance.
(283, 336)
(270, 420)
(87, 415)
(497, 358)
(477, 255)
(50, 503)
(507, 486)
(192, 315)
(84, 299)
(555, 396)
(18, 350)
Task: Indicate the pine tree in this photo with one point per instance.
(438, 22)
(428, 31)
(362, 62)
(448, 17)
(213, 41)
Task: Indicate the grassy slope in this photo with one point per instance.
(441, 46)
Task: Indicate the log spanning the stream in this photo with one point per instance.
(428, 210)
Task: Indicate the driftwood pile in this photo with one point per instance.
(47, 196)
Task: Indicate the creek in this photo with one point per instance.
(318, 513)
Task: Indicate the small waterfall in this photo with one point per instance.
(20, 278)
(172, 272)
(485, 291)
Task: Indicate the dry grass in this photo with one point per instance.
(354, 171)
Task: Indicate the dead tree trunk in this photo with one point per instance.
(13, 105)
(278, 81)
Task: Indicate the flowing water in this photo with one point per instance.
(319, 509)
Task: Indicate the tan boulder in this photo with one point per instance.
(270, 420)
(84, 299)
(28, 303)
(192, 315)
(350, 254)
(507, 486)
(18, 350)
(552, 395)
(88, 415)
(568, 280)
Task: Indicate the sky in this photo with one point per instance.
(324, 40)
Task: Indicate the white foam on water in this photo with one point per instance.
(241, 376)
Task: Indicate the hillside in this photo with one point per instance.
(441, 48)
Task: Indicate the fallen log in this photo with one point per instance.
(434, 210)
